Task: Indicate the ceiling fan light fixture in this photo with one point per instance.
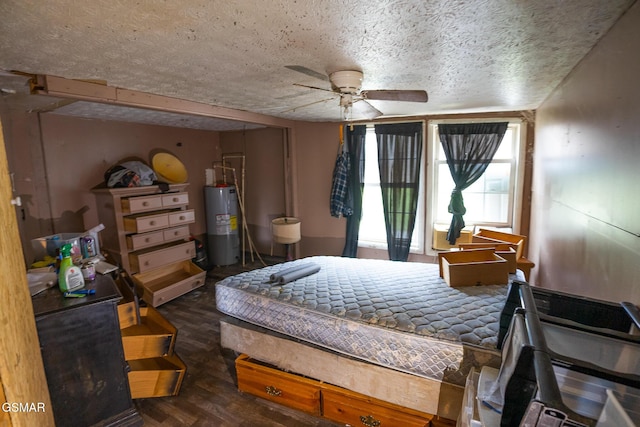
(348, 81)
(346, 105)
(347, 113)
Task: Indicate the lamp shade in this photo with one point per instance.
(286, 230)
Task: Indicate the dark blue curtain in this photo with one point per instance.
(354, 137)
(469, 149)
(399, 155)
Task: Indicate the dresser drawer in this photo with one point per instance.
(166, 283)
(144, 223)
(175, 200)
(182, 217)
(156, 377)
(277, 386)
(135, 242)
(153, 336)
(176, 233)
(347, 407)
(154, 202)
(161, 256)
(158, 221)
(141, 204)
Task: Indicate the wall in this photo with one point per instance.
(316, 149)
(586, 211)
(68, 156)
(263, 150)
(27, 166)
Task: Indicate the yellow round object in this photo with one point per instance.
(169, 169)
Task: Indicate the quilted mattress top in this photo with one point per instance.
(408, 297)
(396, 314)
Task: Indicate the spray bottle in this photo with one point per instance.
(69, 275)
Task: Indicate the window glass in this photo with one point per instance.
(372, 229)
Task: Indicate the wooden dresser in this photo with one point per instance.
(83, 357)
(147, 233)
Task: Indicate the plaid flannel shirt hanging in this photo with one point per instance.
(339, 204)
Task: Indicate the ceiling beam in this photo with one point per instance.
(97, 92)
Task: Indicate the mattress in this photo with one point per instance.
(398, 315)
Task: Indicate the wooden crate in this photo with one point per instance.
(440, 241)
(473, 267)
(493, 236)
(278, 386)
(154, 336)
(517, 241)
(156, 377)
(171, 281)
(503, 250)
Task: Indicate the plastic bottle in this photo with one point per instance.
(88, 247)
(70, 275)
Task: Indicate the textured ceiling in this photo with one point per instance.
(470, 56)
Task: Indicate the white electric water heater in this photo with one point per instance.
(223, 243)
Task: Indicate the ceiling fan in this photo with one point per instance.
(347, 84)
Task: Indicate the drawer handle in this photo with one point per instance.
(369, 421)
(152, 223)
(147, 239)
(145, 203)
(176, 200)
(272, 391)
(182, 217)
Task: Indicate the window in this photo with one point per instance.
(493, 201)
(373, 232)
(489, 200)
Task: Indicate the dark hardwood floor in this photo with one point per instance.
(209, 396)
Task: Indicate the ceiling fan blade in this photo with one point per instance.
(396, 95)
(362, 108)
(308, 105)
(313, 87)
(308, 72)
